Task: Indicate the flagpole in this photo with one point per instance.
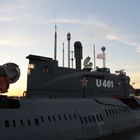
(94, 56)
(104, 58)
(63, 51)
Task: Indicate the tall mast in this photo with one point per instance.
(63, 51)
(55, 40)
(68, 38)
(72, 52)
(94, 55)
(104, 56)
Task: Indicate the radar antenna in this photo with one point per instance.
(87, 64)
(122, 71)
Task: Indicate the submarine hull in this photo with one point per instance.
(66, 119)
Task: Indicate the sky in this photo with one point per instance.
(27, 27)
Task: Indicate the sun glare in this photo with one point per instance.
(17, 88)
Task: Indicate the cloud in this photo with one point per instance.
(114, 34)
(69, 21)
(101, 31)
(93, 29)
(62, 21)
(113, 37)
(133, 66)
(6, 19)
(126, 39)
(138, 49)
(90, 29)
(15, 41)
(23, 40)
(6, 7)
(9, 6)
(20, 10)
(12, 41)
(87, 28)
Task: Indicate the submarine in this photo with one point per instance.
(67, 103)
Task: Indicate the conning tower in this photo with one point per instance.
(47, 79)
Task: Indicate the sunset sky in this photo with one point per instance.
(27, 27)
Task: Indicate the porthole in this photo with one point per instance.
(101, 117)
(42, 120)
(81, 120)
(97, 117)
(70, 117)
(14, 123)
(59, 117)
(29, 122)
(75, 116)
(65, 117)
(54, 118)
(112, 111)
(21, 122)
(36, 121)
(85, 119)
(106, 112)
(49, 118)
(7, 124)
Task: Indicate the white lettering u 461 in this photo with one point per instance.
(104, 83)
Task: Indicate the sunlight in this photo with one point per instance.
(17, 88)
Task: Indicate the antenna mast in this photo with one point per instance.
(104, 56)
(55, 40)
(68, 38)
(63, 51)
(94, 56)
(72, 53)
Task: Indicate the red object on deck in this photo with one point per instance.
(9, 73)
(4, 80)
(4, 84)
